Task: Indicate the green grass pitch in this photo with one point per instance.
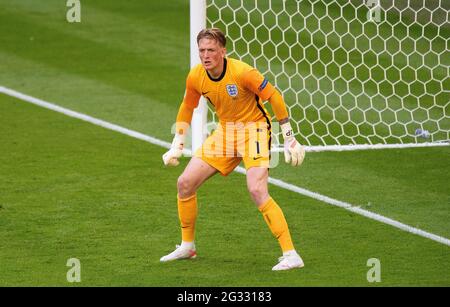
(69, 189)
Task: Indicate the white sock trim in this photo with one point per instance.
(187, 245)
(290, 252)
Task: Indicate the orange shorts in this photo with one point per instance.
(230, 144)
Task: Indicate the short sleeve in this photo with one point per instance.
(254, 81)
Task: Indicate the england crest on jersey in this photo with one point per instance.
(232, 90)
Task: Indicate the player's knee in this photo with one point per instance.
(185, 186)
(258, 193)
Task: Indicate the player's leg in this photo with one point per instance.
(257, 183)
(195, 173)
(257, 178)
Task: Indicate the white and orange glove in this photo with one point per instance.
(171, 157)
(294, 153)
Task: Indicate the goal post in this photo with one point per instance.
(199, 118)
(355, 74)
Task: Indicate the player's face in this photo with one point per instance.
(211, 55)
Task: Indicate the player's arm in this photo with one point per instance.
(183, 121)
(294, 153)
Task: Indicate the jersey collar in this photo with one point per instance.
(223, 72)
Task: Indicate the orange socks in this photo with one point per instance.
(187, 212)
(274, 218)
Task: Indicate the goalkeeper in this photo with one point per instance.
(236, 91)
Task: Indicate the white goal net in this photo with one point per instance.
(351, 72)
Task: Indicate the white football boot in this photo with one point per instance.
(289, 260)
(180, 253)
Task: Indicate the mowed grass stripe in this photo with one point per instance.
(118, 79)
(276, 182)
(71, 189)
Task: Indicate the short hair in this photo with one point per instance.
(212, 33)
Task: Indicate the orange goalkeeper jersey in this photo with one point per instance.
(236, 95)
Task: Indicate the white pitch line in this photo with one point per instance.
(276, 182)
(84, 117)
(371, 147)
(354, 209)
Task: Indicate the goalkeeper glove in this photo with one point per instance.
(294, 153)
(176, 149)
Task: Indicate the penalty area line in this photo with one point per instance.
(273, 181)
